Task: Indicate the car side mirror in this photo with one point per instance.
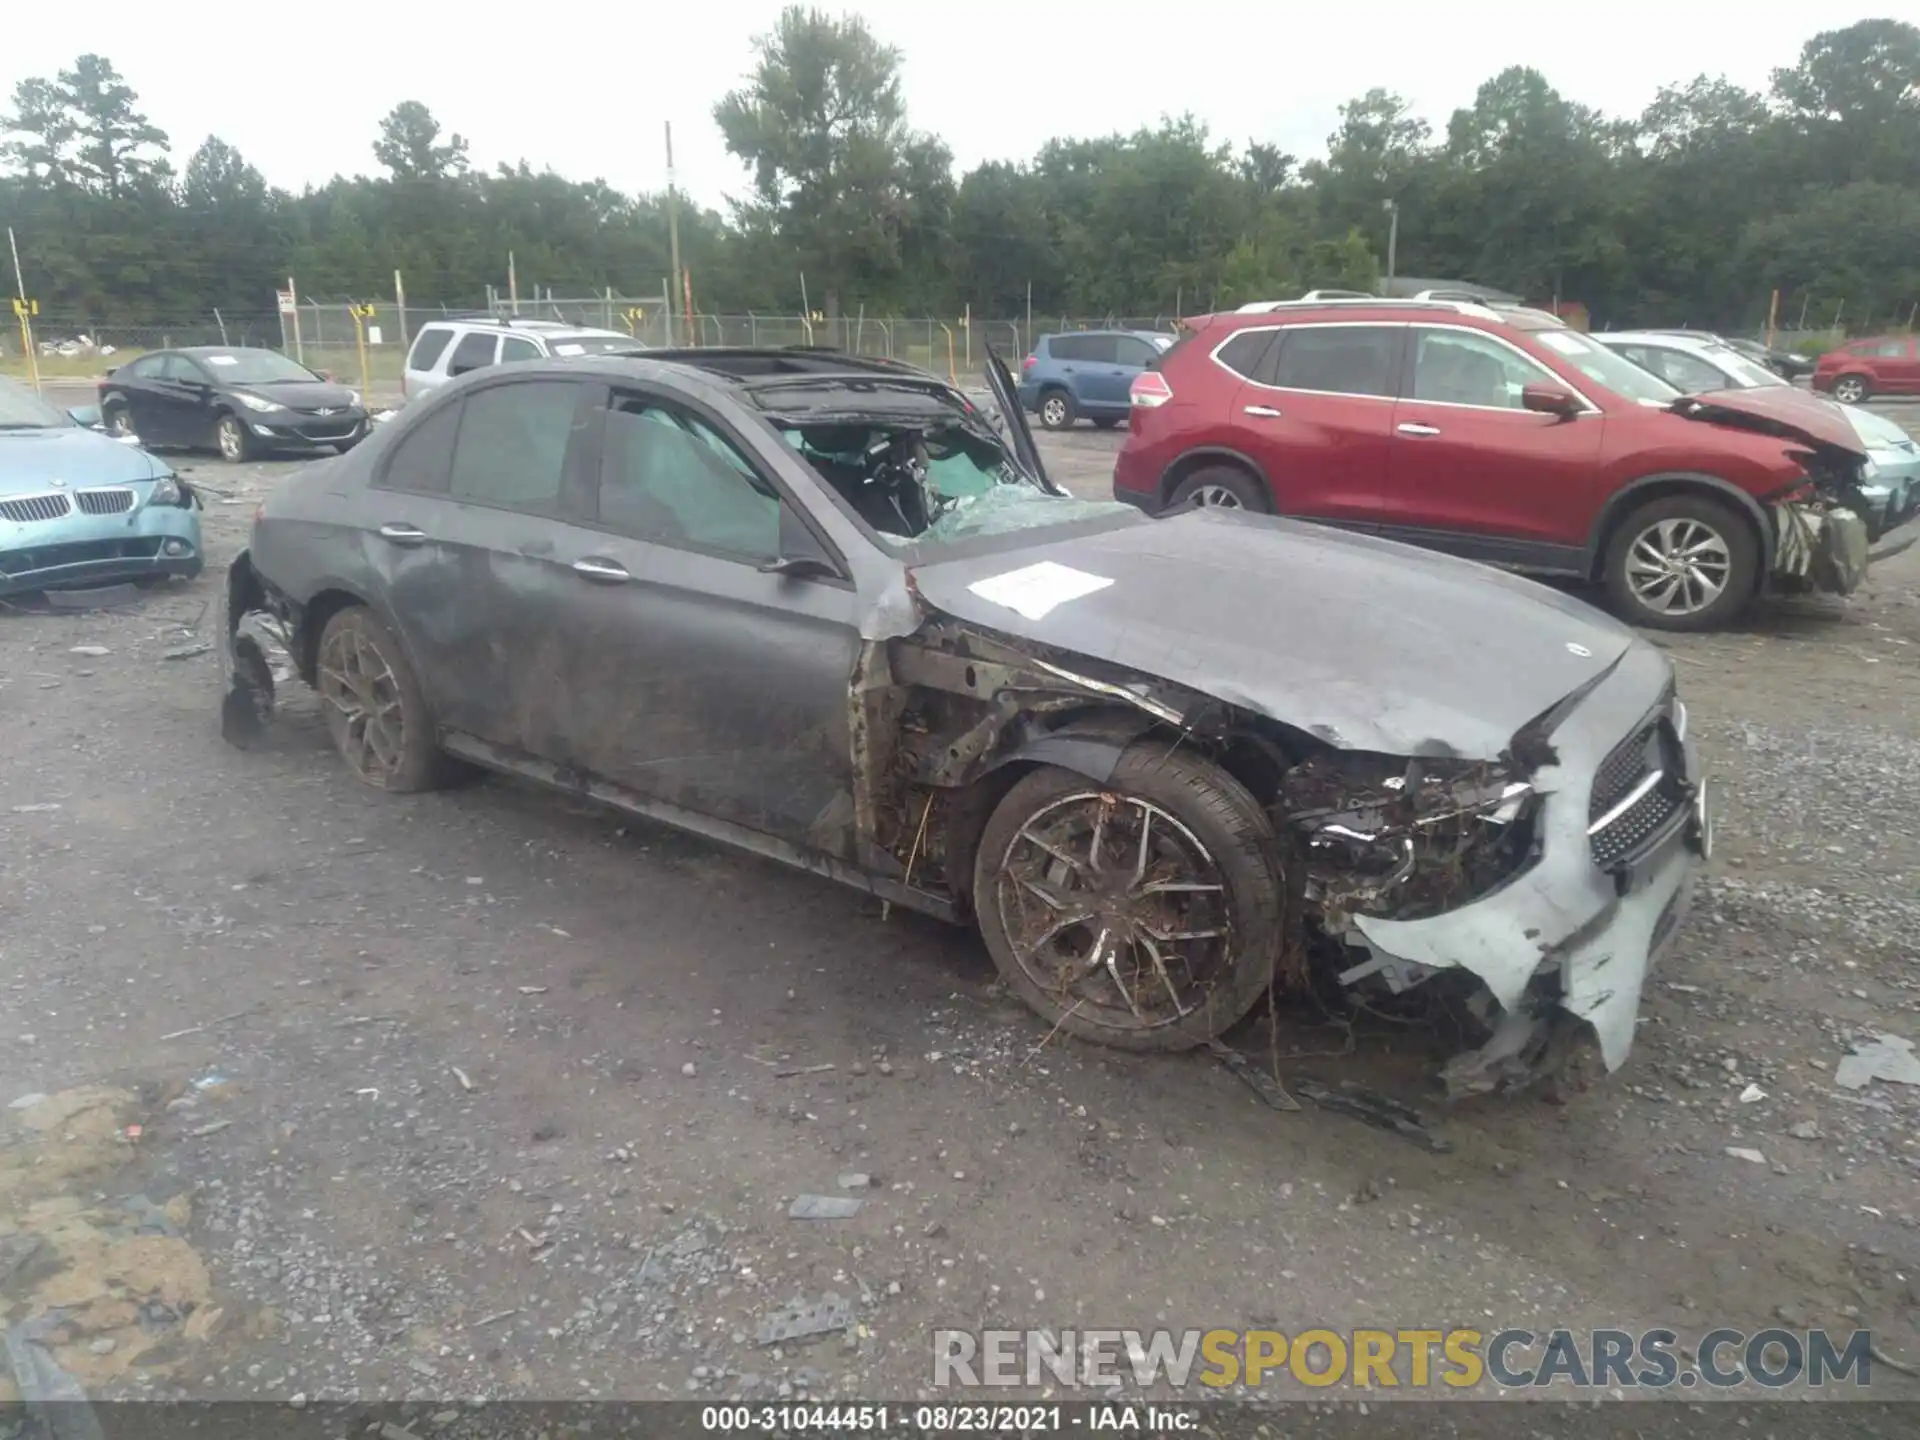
(1549, 400)
(87, 415)
(802, 557)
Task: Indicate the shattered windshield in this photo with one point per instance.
(933, 483)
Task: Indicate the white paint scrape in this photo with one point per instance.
(1036, 589)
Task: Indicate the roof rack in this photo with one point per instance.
(1459, 307)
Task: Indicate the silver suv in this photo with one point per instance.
(447, 348)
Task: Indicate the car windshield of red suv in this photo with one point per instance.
(1601, 365)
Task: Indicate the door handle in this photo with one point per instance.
(1265, 412)
(403, 535)
(1411, 429)
(603, 572)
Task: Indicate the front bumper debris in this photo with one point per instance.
(253, 651)
(1572, 937)
(79, 549)
(1825, 550)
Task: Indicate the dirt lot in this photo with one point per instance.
(483, 1094)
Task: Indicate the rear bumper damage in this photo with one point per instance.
(1564, 946)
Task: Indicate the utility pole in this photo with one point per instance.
(673, 227)
(513, 285)
(1392, 208)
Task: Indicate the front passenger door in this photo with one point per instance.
(694, 677)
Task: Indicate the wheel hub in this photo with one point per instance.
(1112, 905)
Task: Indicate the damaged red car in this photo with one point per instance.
(824, 609)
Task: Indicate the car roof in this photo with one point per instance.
(216, 350)
(1067, 334)
(1690, 341)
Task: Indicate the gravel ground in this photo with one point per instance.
(485, 1094)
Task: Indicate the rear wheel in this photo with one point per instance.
(117, 419)
(1683, 562)
(233, 439)
(1851, 389)
(1145, 913)
(1057, 410)
(1220, 487)
(374, 707)
(1106, 422)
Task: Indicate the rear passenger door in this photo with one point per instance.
(470, 531)
(1103, 380)
(1896, 364)
(1316, 415)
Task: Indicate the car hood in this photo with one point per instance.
(1368, 644)
(303, 394)
(32, 460)
(1776, 410)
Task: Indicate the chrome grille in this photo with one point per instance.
(27, 509)
(104, 502)
(1650, 749)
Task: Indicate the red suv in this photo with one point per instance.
(1885, 365)
(1505, 437)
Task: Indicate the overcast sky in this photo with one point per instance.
(584, 87)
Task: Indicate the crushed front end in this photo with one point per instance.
(1555, 877)
(254, 651)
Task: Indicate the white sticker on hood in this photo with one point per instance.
(1037, 589)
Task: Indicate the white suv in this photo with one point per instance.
(446, 348)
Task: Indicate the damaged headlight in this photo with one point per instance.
(166, 491)
(1406, 838)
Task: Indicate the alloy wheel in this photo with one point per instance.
(1850, 390)
(120, 421)
(1116, 909)
(1678, 566)
(1217, 496)
(364, 711)
(232, 441)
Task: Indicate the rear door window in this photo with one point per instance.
(428, 346)
(475, 351)
(1130, 350)
(512, 449)
(423, 458)
(1338, 359)
(1071, 347)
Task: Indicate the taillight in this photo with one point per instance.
(1149, 389)
(1029, 362)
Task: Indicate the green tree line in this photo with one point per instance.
(1694, 211)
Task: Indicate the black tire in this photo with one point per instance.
(360, 667)
(1057, 410)
(232, 440)
(1105, 422)
(1224, 487)
(1852, 389)
(1680, 523)
(116, 417)
(1188, 806)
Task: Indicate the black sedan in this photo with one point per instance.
(242, 403)
(821, 608)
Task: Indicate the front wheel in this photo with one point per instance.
(233, 439)
(117, 419)
(375, 710)
(1684, 562)
(1851, 389)
(1057, 410)
(1145, 913)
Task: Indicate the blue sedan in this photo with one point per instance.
(79, 507)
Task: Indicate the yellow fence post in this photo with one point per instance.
(25, 310)
(361, 314)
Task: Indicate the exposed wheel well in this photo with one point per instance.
(1202, 459)
(1661, 490)
(313, 619)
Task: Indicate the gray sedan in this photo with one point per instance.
(824, 609)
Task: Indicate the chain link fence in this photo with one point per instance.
(327, 336)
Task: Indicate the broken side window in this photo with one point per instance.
(669, 478)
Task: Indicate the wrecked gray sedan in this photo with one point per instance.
(822, 608)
